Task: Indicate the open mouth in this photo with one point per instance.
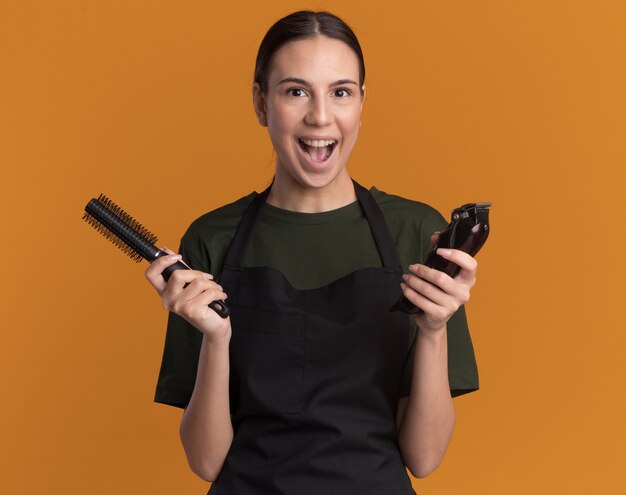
(317, 150)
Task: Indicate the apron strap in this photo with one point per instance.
(234, 257)
(373, 214)
(378, 226)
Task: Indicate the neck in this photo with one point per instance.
(294, 196)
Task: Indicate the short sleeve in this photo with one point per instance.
(462, 369)
(179, 364)
(203, 247)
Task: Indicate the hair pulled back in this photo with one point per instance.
(300, 25)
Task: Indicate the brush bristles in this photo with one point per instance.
(143, 235)
(125, 248)
(127, 219)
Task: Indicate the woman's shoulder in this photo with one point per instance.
(399, 209)
(209, 235)
(411, 224)
(225, 218)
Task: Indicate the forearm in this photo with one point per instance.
(206, 430)
(426, 429)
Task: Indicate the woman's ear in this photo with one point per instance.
(258, 100)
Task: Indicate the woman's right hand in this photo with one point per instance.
(188, 294)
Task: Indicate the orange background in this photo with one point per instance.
(520, 103)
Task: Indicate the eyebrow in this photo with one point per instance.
(297, 80)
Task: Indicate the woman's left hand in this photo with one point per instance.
(438, 295)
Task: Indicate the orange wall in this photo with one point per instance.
(520, 103)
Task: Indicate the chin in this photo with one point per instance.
(322, 180)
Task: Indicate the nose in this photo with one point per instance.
(319, 113)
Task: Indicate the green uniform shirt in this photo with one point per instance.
(311, 250)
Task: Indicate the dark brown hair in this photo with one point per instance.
(300, 25)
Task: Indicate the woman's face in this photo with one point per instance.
(312, 109)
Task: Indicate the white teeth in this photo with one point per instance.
(318, 143)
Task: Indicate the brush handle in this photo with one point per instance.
(218, 306)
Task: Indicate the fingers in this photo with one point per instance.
(437, 294)
(467, 263)
(193, 302)
(188, 285)
(436, 311)
(430, 283)
(203, 299)
(433, 286)
(188, 293)
(154, 271)
(181, 277)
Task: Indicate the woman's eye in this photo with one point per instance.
(296, 92)
(342, 92)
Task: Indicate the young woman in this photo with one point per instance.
(312, 385)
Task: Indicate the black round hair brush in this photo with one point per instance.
(133, 238)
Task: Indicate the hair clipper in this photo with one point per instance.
(467, 232)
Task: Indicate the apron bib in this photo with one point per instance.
(314, 375)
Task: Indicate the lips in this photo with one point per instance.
(317, 150)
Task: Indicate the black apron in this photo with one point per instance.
(314, 375)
